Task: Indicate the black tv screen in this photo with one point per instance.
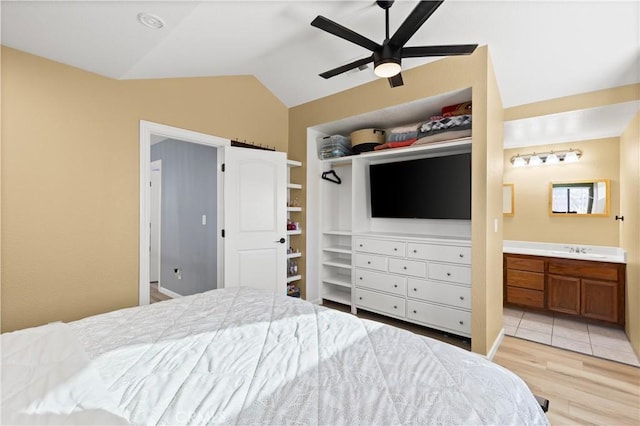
(428, 188)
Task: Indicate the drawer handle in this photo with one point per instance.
(404, 267)
(360, 297)
(415, 289)
(395, 249)
(461, 297)
(461, 322)
(415, 312)
(461, 255)
(360, 278)
(395, 285)
(395, 307)
(448, 274)
(368, 262)
(415, 251)
(360, 245)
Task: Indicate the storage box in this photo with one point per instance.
(333, 146)
(366, 139)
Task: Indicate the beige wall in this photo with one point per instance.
(70, 176)
(532, 222)
(438, 77)
(630, 227)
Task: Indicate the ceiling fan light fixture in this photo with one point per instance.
(387, 69)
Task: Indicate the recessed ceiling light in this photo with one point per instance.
(151, 21)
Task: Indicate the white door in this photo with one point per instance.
(255, 218)
(156, 207)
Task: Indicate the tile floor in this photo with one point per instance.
(575, 335)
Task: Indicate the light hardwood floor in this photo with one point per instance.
(582, 389)
(155, 295)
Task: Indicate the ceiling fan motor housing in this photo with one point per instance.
(387, 54)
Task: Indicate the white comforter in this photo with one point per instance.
(241, 356)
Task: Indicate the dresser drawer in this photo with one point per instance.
(447, 294)
(389, 248)
(408, 267)
(440, 317)
(380, 302)
(524, 263)
(451, 273)
(453, 254)
(378, 263)
(383, 282)
(525, 279)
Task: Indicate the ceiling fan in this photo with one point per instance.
(387, 56)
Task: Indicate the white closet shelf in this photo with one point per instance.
(294, 163)
(338, 263)
(338, 249)
(295, 232)
(294, 209)
(339, 296)
(293, 255)
(294, 186)
(293, 278)
(337, 281)
(338, 232)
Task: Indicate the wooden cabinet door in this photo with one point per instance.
(599, 300)
(564, 294)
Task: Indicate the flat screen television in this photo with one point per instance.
(427, 188)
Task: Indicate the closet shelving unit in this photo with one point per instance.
(291, 188)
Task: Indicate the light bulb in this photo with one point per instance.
(535, 160)
(552, 159)
(519, 162)
(571, 157)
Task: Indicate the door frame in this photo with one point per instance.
(147, 130)
(158, 163)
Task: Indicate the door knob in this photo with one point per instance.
(281, 240)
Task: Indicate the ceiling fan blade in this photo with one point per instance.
(347, 67)
(416, 18)
(343, 32)
(450, 50)
(396, 80)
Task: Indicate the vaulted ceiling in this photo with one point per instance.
(540, 50)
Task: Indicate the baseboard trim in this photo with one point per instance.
(315, 301)
(169, 293)
(496, 344)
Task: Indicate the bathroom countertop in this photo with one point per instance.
(567, 251)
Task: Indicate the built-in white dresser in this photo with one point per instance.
(424, 281)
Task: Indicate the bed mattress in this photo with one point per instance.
(243, 356)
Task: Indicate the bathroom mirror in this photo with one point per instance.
(581, 198)
(508, 207)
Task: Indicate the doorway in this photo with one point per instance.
(154, 132)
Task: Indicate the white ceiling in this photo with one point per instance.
(540, 50)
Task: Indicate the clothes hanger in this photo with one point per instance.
(335, 178)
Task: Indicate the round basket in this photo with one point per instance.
(366, 139)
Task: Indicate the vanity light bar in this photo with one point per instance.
(549, 157)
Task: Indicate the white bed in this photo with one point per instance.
(242, 356)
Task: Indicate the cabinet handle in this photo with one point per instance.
(360, 278)
(415, 251)
(395, 249)
(461, 322)
(448, 274)
(360, 245)
(405, 268)
(461, 255)
(395, 307)
(461, 297)
(368, 262)
(395, 285)
(360, 298)
(415, 312)
(415, 289)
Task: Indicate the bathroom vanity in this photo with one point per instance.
(577, 280)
